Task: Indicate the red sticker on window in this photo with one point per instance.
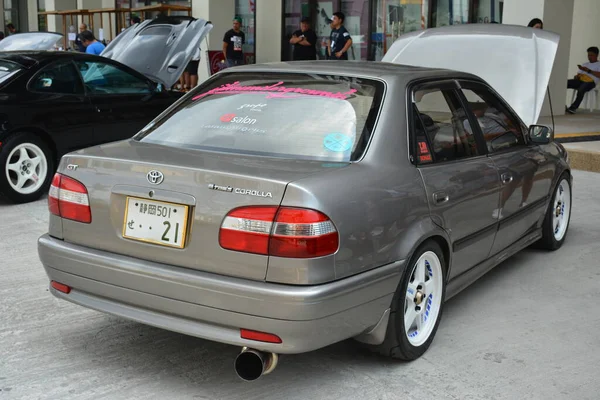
(423, 149)
(426, 158)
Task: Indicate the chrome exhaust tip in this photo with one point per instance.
(251, 364)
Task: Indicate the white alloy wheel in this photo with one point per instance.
(423, 298)
(26, 168)
(561, 210)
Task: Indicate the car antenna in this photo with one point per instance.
(551, 109)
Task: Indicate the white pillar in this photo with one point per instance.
(220, 13)
(32, 16)
(268, 30)
(558, 17)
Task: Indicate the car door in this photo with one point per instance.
(462, 184)
(124, 101)
(525, 171)
(56, 99)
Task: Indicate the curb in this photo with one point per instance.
(577, 137)
(584, 160)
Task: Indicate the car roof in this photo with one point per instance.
(367, 69)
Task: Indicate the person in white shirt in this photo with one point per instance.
(586, 79)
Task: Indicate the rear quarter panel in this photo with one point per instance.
(378, 205)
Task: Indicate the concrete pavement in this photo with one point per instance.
(528, 329)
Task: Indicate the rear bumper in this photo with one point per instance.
(215, 307)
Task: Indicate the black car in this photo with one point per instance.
(53, 102)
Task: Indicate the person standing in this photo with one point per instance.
(78, 42)
(11, 29)
(536, 23)
(92, 46)
(339, 39)
(304, 41)
(233, 41)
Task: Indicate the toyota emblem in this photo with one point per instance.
(155, 177)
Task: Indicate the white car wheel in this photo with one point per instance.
(423, 298)
(26, 168)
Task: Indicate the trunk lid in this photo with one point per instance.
(159, 48)
(516, 61)
(211, 184)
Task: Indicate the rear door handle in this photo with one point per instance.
(440, 197)
(506, 178)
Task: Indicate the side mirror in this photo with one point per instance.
(540, 134)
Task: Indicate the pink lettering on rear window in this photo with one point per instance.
(275, 91)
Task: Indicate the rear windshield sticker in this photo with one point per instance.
(337, 142)
(276, 90)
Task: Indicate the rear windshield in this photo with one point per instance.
(298, 116)
(7, 69)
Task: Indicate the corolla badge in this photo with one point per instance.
(155, 177)
(247, 192)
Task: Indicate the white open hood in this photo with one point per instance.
(516, 61)
(31, 41)
(159, 48)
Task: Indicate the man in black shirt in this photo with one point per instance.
(339, 39)
(232, 44)
(304, 41)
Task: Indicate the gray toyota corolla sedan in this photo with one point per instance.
(285, 207)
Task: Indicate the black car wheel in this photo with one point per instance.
(27, 167)
(417, 306)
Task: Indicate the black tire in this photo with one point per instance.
(7, 147)
(548, 240)
(396, 344)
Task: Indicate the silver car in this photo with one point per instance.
(285, 207)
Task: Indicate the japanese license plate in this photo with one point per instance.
(155, 222)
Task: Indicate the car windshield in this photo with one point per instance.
(298, 116)
(7, 69)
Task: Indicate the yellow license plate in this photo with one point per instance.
(155, 222)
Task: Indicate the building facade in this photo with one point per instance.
(373, 24)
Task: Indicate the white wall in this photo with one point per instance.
(32, 16)
(586, 33)
(269, 25)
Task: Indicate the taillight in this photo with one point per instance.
(68, 199)
(279, 231)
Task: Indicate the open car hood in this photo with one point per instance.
(31, 41)
(516, 61)
(159, 48)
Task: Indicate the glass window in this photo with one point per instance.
(101, 78)
(11, 15)
(57, 78)
(245, 9)
(449, 12)
(500, 130)
(42, 18)
(7, 69)
(357, 23)
(393, 18)
(293, 12)
(441, 127)
(487, 11)
(295, 116)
